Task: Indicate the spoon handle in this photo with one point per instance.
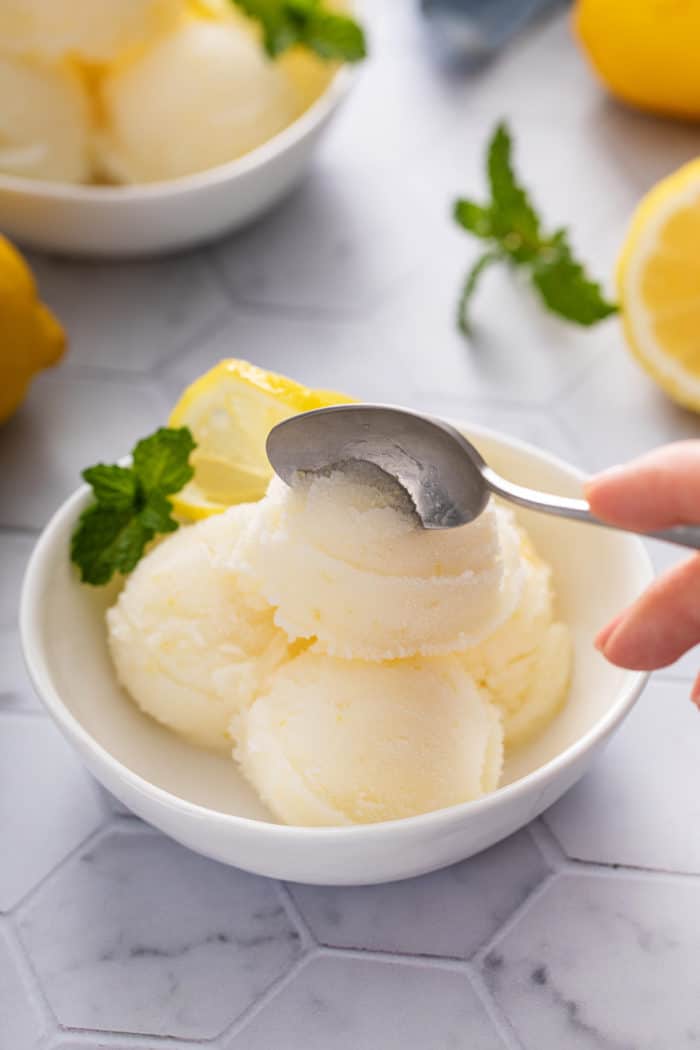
(578, 510)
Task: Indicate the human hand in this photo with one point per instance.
(655, 491)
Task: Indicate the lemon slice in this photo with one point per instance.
(230, 410)
(659, 284)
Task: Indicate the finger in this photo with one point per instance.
(661, 625)
(695, 694)
(655, 491)
(603, 635)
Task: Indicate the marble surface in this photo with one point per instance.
(581, 931)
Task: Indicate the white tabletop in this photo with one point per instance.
(582, 931)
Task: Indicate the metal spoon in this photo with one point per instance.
(448, 481)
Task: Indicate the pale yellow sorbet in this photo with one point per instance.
(190, 642)
(359, 667)
(345, 566)
(525, 664)
(44, 121)
(348, 742)
(96, 30)
(202, 95)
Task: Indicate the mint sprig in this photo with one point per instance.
(512, 227)
(131, 505)
(310, 23)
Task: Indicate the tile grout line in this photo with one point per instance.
(571, 436)
(210, 327)
(39, 1000)
(122, 1040)
(547, 844)
(16, 911)
(665, 675)
(102, 373)
(296, 916)
(573, 382)
(565, 864)
(20, 531)
(240, 1023)
(504, 1029)
(414, 960)
(255, 308)
(578, 866)
(514, 918)
(21, 712)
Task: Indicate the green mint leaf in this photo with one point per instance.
(131, 505)
(469, 287)
(565, 287)
(279, 30)
(474, 218)
(107, 541)
(310, 23)
(156, 513)
(161, 461)
(113, 486)
(513, 228)
(515, 221)
(334, 36)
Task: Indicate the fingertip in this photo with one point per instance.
(604, 634)
(628, 646)
(605, 477)
(608, 492)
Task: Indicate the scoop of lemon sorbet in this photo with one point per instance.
(97, 30)
(191, 643)
(44, 120)
(525, 664)
(202, 95)
(346, 563)
(334, 741)
(361, 668)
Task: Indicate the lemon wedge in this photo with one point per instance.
(659, 284)
(230, 410)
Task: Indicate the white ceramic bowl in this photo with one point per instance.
(199, 798)
(160, 217)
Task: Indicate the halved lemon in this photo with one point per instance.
(658, 279)
(230, 410)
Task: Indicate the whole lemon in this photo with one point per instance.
(30, 336)
(645, 51)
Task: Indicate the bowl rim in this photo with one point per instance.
(40, 676)
(312, 118)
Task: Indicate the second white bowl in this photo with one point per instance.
(199, 798)
(160, 217)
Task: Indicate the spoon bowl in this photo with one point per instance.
(448, 481)
(439, 469)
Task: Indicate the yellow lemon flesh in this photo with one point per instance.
(230, 410)
(645, 52)
(30, 337)
(659, 284)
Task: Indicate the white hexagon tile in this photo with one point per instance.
(347, 1002)
(602, 962)
(48, 804)
(21, 1022)
(643, 783)
(137, 934)
(449, 914)
(67, 423)
(136, 313)
(114, 938)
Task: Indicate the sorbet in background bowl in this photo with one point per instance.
(150, 125)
